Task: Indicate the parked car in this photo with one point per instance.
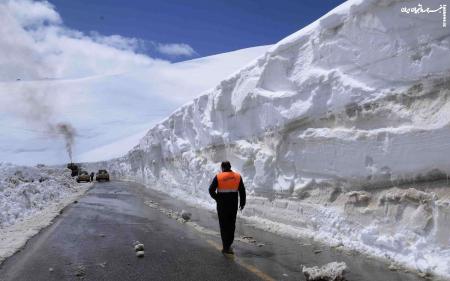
(83, 176)
(102, 175)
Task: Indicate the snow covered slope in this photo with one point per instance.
(103, 109)
(332, 128)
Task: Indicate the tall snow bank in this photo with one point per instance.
(356, 101)
(25, 191)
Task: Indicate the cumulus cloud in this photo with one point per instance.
(29, 15)
(40, 46)
(175, 49)
(119, 42)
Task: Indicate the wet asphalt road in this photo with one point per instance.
(93, 240)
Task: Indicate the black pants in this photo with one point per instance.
(227, 206)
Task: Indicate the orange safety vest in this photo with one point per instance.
(228, 182)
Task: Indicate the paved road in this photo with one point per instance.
(93, 240)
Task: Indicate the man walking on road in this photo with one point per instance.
(227, 184)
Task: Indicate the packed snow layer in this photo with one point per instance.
(332, 129)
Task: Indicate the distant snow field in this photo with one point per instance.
(338, 131)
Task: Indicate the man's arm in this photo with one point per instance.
(213, 188)
(241, 194)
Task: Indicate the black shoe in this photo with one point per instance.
(228, 251)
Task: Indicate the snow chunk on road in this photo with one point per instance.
(333, 271)
(140, 254)
(186, 215)
(139, 247)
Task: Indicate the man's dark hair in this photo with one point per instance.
(226, 166)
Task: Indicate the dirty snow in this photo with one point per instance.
(333, 271)
(338, 131)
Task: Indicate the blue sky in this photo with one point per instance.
(208, 26)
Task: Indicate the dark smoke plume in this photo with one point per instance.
(68, 132)
(37, 106)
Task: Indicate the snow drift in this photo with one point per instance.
(333, 129)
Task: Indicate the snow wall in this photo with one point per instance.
(338, 131)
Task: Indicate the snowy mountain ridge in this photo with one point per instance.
(324, 128)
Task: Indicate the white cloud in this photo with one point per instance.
(29, 15)
(119, 42)
(175, 49)
(40, 46)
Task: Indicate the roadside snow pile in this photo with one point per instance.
(333, 271)
(25, 191)
(323, 127)
(30, 198)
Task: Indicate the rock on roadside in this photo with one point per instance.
(186, 215)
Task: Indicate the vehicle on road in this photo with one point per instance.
(74, 168)
(83, 176)
(102, 175)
